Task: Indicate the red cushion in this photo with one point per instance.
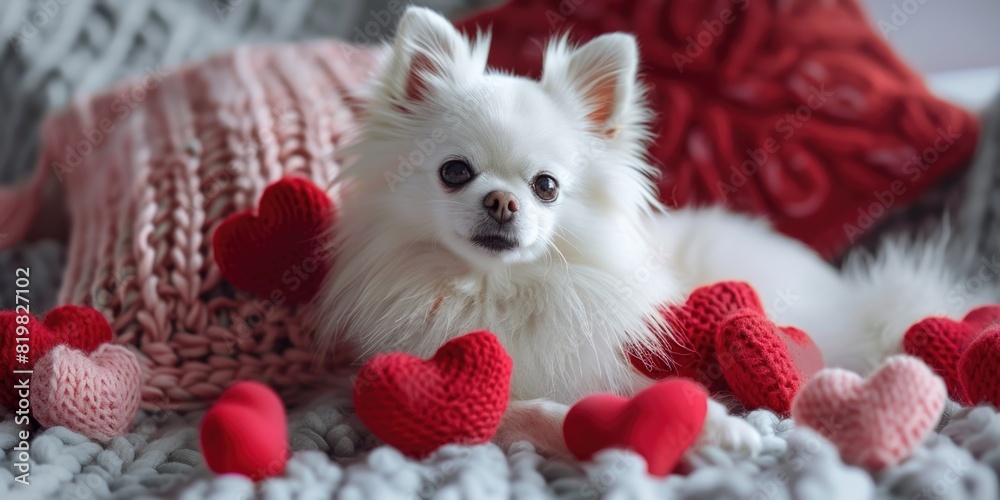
(727, 80)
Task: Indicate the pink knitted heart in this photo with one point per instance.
(96, 395)
(875, 423)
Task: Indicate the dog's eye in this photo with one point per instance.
(455, 173)
(546, 188)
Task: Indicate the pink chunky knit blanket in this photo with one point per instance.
(150, 168)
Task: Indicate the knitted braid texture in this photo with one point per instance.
(152, 167)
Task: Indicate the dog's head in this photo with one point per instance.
(501, 169)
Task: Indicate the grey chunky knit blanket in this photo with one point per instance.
(334, 457)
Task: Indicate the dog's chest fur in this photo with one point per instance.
(565, 327)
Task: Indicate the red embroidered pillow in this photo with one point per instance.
(795, 109)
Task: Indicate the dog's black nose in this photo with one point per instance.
(501, 205)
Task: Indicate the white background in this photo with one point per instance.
(954, 43)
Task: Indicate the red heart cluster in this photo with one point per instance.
(456, 397)
(659, 423)
(966, 353)
(79, 327)
(723, 339)
(795, 109)
(278, 253)
(245, 432)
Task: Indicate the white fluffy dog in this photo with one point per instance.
(476, 199)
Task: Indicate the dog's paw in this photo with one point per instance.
(537, 421)
(730, 433)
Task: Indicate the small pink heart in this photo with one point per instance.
(875, 423)
(96, 395)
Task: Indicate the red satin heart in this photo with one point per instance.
(979, 366)
(660, 423)
(79, 327)
(245, 432)
(765, 365)
(456, 397)
(279, 253)
(940, 342)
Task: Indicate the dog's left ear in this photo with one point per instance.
(602, 73)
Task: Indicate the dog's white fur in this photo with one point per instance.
(592, 268)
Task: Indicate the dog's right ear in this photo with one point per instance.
(427, 52)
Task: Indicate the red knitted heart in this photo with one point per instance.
(765, 365)
(875, 423)
(691, 352)
(979, 366)
(729, 316)
(245, 432)
(79, 327)
(940, 342)
(659, 423)
(279, 253)
(795, 109)
(456, 397)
